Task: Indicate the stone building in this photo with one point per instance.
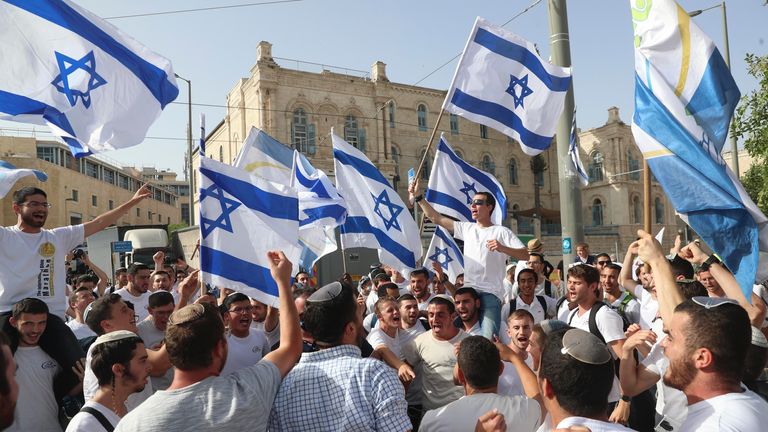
(81, 189)
(392, 122)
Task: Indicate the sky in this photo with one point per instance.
(216, 47)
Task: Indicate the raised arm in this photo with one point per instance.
(432, 214)
(668, 293)
(103, 278)
(625, 275)
(288, 353)
(111, 217)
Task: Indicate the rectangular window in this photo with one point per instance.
(47, 154)
(75, 195)
(94, 200)
(110, 204)
(392, 115)
(138, 212)
(109, 176)
(454, 124)
(91, 169)
(124, 182)
(483, 131)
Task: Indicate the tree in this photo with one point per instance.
(751, 123)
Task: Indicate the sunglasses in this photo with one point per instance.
(478, 202)
(603, 262)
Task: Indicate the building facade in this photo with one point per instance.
(392, 123)
(81, 189)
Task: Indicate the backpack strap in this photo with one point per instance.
(548, 288)
(543, 303)
(99, 416)
(624, 302)
(593, 320)
(512, 306)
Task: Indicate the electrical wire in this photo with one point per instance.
(177, 11)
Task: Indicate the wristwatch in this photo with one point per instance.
(626, 398)
(712, 260)
(418, 198)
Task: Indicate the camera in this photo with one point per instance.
(78, 253)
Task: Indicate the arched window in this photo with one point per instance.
(488, 165)
(422, 113)
(637, 210)
(658, 207)
(634, 166)
(302, 133)
(454, 124)
(354, 134)
(597, 212)
(596, 167)
(512, 172)
(392, 114)
(427, 167)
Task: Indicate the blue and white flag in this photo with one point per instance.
(376, 216)
(684, 100)
(9, 175)
(202, 135)
(453, 183)
(241, 218)
(321, 208)
(573, 153)
(501, 82)
(444, 251)
(93, 85)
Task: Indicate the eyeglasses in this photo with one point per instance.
(713, 302)
(242, 310)
(35, 204)
(478, 202)
(603, 262)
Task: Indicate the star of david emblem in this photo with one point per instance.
(468, 187)
(228, 205)
(68, 67)
(393, 209)
(522, 84)
(436, 257)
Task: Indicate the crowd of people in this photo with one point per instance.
(653, 341)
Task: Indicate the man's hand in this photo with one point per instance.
(676, 248)
(620, 414)
(494, 245)
(79, 369)
(638, 339)
(413, 189)
(649, 249)
(143, 192)
(158, 259)
(189, 285)
(693, 254)
(632, 329)
(406, 373)
(279, 266)
(492, 421)
(438, 269)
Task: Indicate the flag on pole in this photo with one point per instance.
(241, 218)
(444, 251)
(501, 82)
(573, 153)
(9, 175)
(202, 135)
(376, 216)
(321, 208)
(684, 100)
(453, 183)
(93, 85)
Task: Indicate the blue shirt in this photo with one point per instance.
(335, 389)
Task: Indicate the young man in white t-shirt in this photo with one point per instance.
(152, 331)
(121, 366)
(519, 330)
(137, 290)
(486, 248)
(78, 301)
(246, 346)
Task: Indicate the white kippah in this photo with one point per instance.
(114, 336)
(758, 338)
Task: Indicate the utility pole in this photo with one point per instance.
(570, 192)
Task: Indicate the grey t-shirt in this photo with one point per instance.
(239, 401)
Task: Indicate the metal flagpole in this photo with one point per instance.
(646, 196)
(429, 144)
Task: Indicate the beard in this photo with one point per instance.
(33, 221)
(679, 374)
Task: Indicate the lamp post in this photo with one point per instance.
(189, 150)
(727, 58)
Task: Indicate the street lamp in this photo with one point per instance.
(727, 58)
(189, 150)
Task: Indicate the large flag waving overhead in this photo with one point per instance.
(376, 216)
(444, 251)
(502, 82)
(321, 208)
(9, 175)
(241, 218)
(93, 85)
(453, 183)
(684, 99)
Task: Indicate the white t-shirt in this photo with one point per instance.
(611, 326)
(631, 310)
(244, 352)
(153, 338)
(520, 413)
(423, 305)
(91, 385)
(649, 306)
(140, 303)
(36, 408)
(761, 292)
(534, 308)
(33, 266)
(81, 330)
(377, 338)
(592, 424)
(744, 411)
(413, 394)
(670, 402)
(483, 268)
(434, 359)
(86, 422)
(509, 381)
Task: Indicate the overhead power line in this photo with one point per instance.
(178, 11)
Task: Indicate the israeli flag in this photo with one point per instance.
(684, 100)
(376, 216)
(241, 218)
(453, 183)
(573, 154)
(9, 175)
(445, 252)
(321, 208)
(93, 85)
(501, 82)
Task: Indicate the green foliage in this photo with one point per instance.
(751, 118)
(755, 181)
(174, 227)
